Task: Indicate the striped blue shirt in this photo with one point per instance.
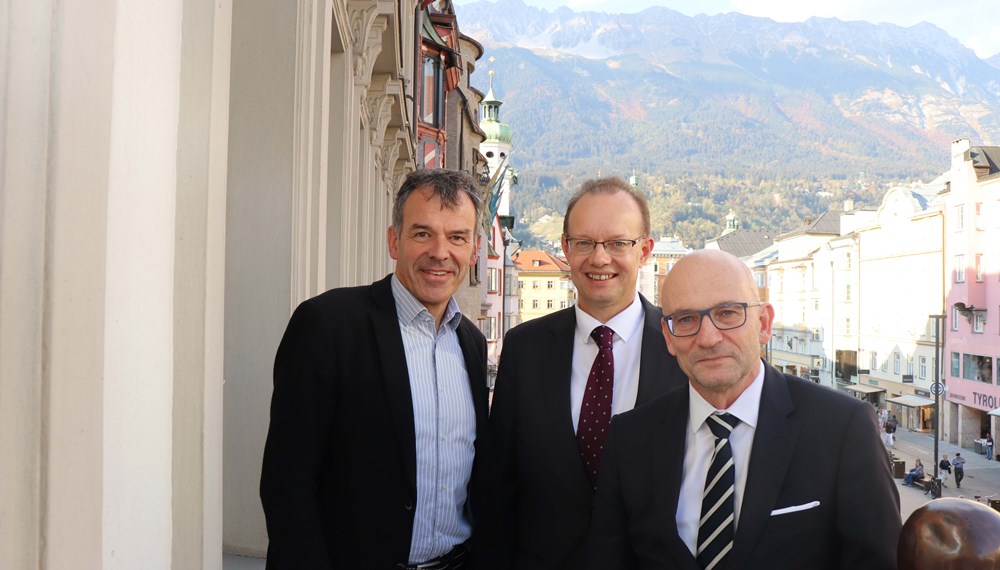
(444, 421)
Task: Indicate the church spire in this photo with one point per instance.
(495, 130)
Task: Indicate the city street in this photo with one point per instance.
(982, 477)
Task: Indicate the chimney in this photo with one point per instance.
(849, 205)
(958, 149)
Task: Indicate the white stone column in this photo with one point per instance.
(340, 152)
(25, 90)
(311, 138)
(199, 285)
(138, 350)
(93, 215)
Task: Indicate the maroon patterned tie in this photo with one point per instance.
(595, 413)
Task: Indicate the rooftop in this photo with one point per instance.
(827, 223)
(528, 260)
(742, 243)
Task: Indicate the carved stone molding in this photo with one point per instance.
(379, 113)
(400, 172)
(388, 155)
(367, 27)
(372, 48)
(362, 16)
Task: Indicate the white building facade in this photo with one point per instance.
(177, 177)
(900, 277)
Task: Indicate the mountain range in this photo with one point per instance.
(802, 108)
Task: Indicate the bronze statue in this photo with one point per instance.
(950, 533)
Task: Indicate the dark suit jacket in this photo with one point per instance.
(338, 483)
(811, 444)
(542, 494)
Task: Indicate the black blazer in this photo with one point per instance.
(338, 483)
(811, 444)
(542, 494)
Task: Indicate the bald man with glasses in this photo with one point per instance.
(744, 466)
(563, 376)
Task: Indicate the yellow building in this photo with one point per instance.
(544, 284)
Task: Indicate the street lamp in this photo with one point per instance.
(937, 388)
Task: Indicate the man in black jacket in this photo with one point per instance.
(380, 403)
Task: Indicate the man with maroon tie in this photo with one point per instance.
(563, 376)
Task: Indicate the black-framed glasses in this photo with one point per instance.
(614, 247)
(725, 317)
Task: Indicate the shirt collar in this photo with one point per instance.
(409, 308)
(625, 324)
(746, 407)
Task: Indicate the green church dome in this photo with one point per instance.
(495, 130)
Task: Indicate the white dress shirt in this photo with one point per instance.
(627, 349)
(698, 448)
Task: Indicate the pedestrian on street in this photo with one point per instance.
(959, 464)
(916, 473)
(989, 446)
(890, 434)
(944, 470)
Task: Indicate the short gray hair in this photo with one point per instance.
(448, 185)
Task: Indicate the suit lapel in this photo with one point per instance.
(554, 391)
(654, 360)
(667, 448)
(385, 323)
(475, 364)
(774, 439)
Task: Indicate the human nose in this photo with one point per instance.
(438, 248)
(708, 334)
(600, 256)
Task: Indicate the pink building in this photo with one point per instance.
(972, 299)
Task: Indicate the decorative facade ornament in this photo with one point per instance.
(367, 27)
(373, 47)
(397, 177)
(388, 155)
(362, 17)
(379, 113)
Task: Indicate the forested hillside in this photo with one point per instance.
(776, 122)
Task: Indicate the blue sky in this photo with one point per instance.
(972, 22)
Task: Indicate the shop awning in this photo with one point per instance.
(863, 389)
(995, 412)
(911, 401)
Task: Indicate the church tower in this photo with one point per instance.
(497, 145)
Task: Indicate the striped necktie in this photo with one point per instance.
(717, 526)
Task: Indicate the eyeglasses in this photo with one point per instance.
(725, 317)
(614, 247)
